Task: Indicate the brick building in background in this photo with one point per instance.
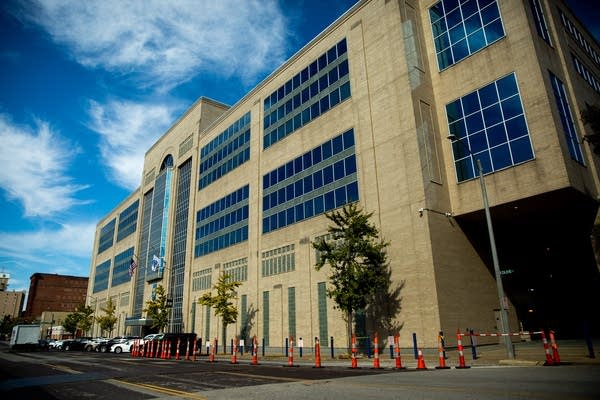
(52, 292)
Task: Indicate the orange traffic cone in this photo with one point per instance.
(421, 362)
(461, 352)
(549, 360)
(254, 352)
(555, 356)
(234, 352)
(376, 364)
(442, 364)
(317, 353)
(211, 357)
(354, 360)
(397, 350)
(187, 349)
(195, 349)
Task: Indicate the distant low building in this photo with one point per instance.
(11, 303)
(54, 293)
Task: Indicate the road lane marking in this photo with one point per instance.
(159, 389)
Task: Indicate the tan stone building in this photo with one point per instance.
(363, 113)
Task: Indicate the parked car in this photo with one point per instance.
(152, 336)
(56, 344)
(93, 345)
(104, 347)
(75, 344)
(124, 347)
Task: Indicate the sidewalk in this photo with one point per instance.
(571, 352)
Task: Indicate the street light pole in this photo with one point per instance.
(504, 328)
(499, 285)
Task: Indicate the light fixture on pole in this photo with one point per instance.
(501, 297)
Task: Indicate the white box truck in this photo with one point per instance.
(25, 337)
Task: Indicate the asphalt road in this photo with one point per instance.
(97, 376)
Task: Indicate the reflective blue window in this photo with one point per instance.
(107, 234)
(101, 276)
(229, 150)
(225, 222)
(298, 102)
(489, 125)
(316, 171)
(566, 118)
(128, 221)
(462, 28)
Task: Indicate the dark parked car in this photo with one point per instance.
(75, 344)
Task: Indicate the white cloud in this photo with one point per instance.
(34, 168)
(63, 250)
(164, 43)
(127, 130)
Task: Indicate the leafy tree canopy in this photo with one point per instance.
(356, 257)
(157, 309)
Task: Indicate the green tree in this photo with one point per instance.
(222, 301)
(86, 317)
(71, 321)
(357, 261)
(591, 116)
(108, 320)
(157, 309)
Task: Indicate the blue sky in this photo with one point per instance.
(86, 87)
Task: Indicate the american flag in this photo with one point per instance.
(132, 267)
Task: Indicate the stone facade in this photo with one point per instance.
(542, 209)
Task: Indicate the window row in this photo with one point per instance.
(237, 269)
(107, 234)
(312, 157)
(128, 221)
(302, 117)
(314, 181)
(278, 265)
(303, 76)
(225, 167)
(241, 124)
(220, 242)
(121, 267)
(540, 21)
(321, 203)
(202, 280)
(224, 203)
(489, 125)
(566, 119)
(223, 152)
(223, 222)
(583, 43)
(101, 276)
(586, 74)
(460, 29)
(310, 92)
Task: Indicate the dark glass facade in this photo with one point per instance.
(222, 223)
(312, 92)
(489, 124)
(461, 28)
(107, 234)
(179, 243)
(128, 221)
(318, 181)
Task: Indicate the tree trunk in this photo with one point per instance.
(349, 328)
(224, 338)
